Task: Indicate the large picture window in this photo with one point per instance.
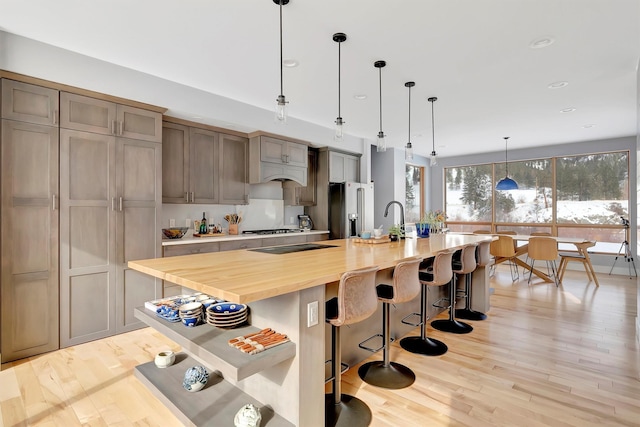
(569, 196)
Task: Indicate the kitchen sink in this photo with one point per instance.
(291, 248)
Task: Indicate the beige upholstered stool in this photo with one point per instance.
(404, 287)
(438, 273)
(483, 258)
(461, 266)
(356, 301)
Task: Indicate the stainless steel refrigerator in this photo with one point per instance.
(350, 209)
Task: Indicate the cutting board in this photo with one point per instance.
(209, 235)
(371, 241)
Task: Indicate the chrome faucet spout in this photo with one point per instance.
(395, 202)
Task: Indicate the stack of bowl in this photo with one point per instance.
(227, 314)
(191, 313)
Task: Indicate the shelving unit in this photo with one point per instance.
(215, 405)
(210, 345)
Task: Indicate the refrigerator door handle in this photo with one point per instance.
(360, 205)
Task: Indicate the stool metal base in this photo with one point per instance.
(394, 376)
(350, 412)
(424, 346)
(453, 326)
(467, 314)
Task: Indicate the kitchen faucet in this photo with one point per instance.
(386, 212)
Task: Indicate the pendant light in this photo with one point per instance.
(381, 145)
(408, 153)
(506, 183)
(339, 38)
(281, 106)
(433, 159)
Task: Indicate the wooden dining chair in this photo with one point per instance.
(583, 257)
(504, 247)
(535, 233)
(544, 249)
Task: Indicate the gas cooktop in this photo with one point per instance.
(274, 231)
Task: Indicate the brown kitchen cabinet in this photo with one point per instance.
(297, 195)
(203, 166)
(29, 247)
(273, 158)
(94, 115)
(29, 103)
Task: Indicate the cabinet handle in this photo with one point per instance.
(120, 127)
(53, 202)
(193, 197)
(186, 196)
(55, 117)
(113, 203)
(284, 158)
(120, 204)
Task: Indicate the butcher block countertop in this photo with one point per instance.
(244, 276)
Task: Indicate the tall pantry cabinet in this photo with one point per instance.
(105, 205)
(29, 220)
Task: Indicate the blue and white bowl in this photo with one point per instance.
(226, 308)
(195, 378)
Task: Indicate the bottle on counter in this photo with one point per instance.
(203, 225)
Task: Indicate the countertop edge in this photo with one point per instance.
(189, 239)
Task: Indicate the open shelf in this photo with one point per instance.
(210, 345)
(215, 405)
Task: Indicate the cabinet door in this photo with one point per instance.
(175, 164)
(138, 169)
(272, 150)
(29, 244)
(137, 123)
(336, 167)
(203, 165)
(307, 195)
(351, 168)
(87, 114)
(29, 103)
(234, 176)
(296, 154)
(88, 203)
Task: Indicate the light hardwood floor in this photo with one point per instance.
(545, 357)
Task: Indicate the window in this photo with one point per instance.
(574, 196)
(414, 190)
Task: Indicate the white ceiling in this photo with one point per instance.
(475, 56)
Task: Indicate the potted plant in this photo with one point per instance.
(395, 232)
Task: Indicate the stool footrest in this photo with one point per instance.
(372, 349)
(418, 315)
(343, 368)
(438, 303)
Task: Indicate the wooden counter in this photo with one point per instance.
(245, 276)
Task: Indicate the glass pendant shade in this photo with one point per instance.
(433, 158)
(408, 151)
(339, 134)
(506, 183)
(281, 110)
(381, 145)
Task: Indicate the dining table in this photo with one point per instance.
(523, 249)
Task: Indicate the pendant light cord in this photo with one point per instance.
(281, 59)
(339, 67)
(409, 137)
(506, 163)
(380, 74)
(433, 126)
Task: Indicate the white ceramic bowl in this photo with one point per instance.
(164, 359)
(190, 307)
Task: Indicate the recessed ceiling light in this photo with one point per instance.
(557, 85)
(541, 42)
(588, 125)
(568, 110)
(360, 96)
(197, 117)
(290, 63)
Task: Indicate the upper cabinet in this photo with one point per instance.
(277, 159)
(99, 116)
(344, 167)
(29, 103)
(296, 195)
(203, 166)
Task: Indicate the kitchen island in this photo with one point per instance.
(279, 288)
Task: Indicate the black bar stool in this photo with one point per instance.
(404, 287)
(464, 265)
(356, 301)
(483, 258)
(437, 274)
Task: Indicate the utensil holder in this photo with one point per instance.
(233, 228)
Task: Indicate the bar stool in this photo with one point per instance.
(465, 265)
(437, 274)
(355, 302)
(404, 287)
(483, 258)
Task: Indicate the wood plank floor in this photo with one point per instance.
(545, 357)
